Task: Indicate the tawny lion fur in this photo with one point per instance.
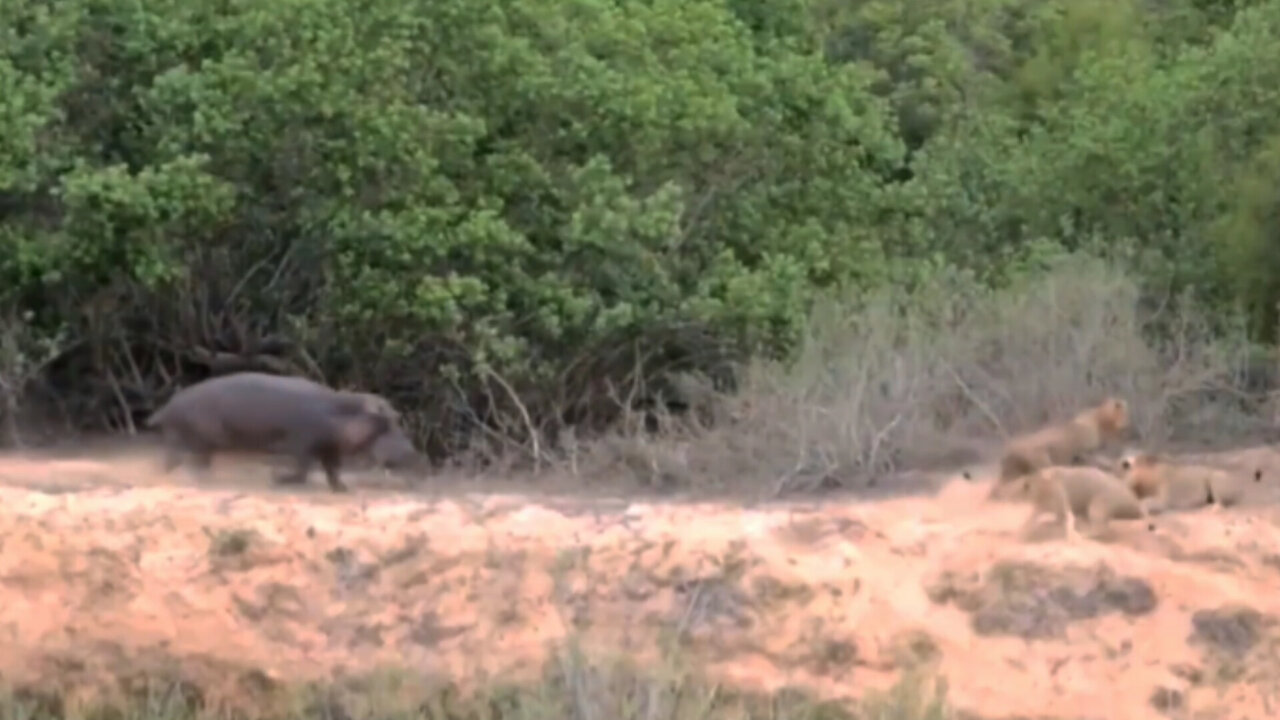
(1066, 443)
(1164, 485)
(1077, 491)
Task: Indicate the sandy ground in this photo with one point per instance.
(111, 571)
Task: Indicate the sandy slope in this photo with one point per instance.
(108, 572)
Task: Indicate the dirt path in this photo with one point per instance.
(109, 570)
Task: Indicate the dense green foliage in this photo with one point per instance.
(460, 202)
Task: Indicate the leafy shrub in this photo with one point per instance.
(500, 214)
(419, 198)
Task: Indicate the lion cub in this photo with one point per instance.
(1066, 443)
(1077, 491)
(1163, 485)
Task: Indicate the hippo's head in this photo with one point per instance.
(393, 449)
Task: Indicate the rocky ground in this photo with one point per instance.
(110, 571)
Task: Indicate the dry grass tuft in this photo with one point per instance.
(936, 376)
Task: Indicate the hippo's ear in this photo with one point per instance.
(349, 405)
(375, 403)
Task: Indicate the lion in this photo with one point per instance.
(1066, 443)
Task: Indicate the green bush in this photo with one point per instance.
(424, 196)
(1149, 144)
(496, 211)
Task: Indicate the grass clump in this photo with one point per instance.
(573, 687)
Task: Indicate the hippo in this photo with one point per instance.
(253, 411)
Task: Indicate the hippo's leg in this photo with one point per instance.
(201, 454)
(180, 441)
(331, 461)
(173, 453)
(298, 476)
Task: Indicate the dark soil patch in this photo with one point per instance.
(1037, 602)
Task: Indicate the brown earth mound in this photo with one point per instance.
(107, 572)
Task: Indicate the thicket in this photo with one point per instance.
(520, 216)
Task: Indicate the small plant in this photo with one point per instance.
(230, 543)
